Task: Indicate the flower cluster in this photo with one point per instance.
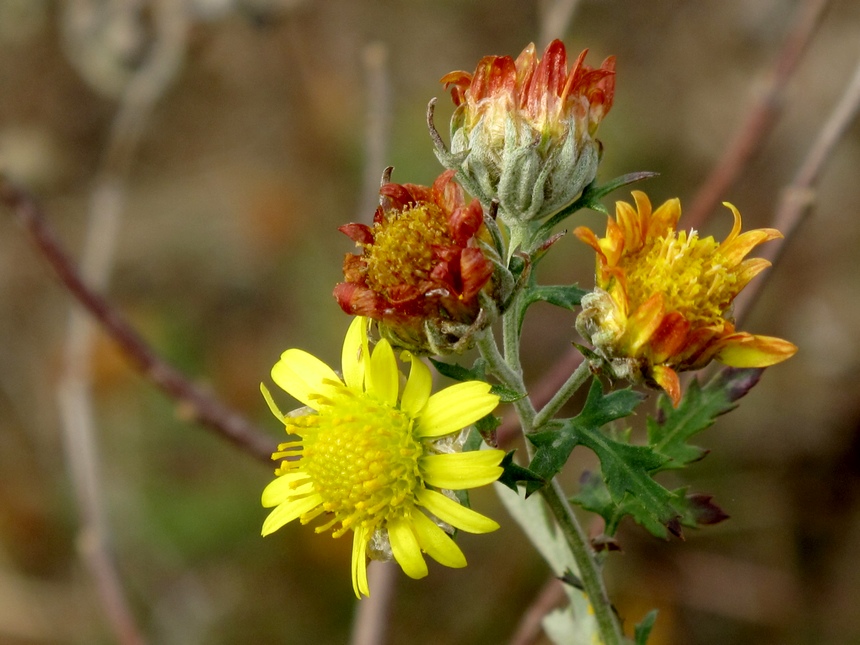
(663, 298)
(380, 456)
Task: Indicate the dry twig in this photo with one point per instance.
(551, 596)
(799, 197)
(195, 403)
(761, 117)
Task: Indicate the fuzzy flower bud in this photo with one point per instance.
(523, 131)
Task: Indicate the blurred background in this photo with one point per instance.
(235, 136)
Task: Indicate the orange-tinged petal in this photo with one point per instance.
(642, 324)
(665, 219)
(668, 379)
(738, 248)
(669, 338)
(630, 226)
(748, 269)
(746, 350)
(589, 237)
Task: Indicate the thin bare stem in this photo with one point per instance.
(589, 570)
(761, 116)
(195, 403)
(799, 197)
(371, 614)
(529, 629)
(554, 17)
(145, 87)
(378, 125)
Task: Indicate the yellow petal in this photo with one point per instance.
(455, 408)
(736, 225)
(382, 375)
(303, 375)
(453, 513)
(355, 348)
(461, 470)
(284, 487)
(288, 511)
(359, 562)
(418, 386)
(405, 548)
(436, 543)
(746, 350)
(271, 403)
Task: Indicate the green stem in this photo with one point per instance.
(589, 572)
(508, 370)
(574, 382)
(511, 335)
(509, 377)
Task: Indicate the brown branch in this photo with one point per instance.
(799, 197)
(554, 18)
(377, 130)
(371, 614)
(194, 402)
(761, 117)
(530, 627)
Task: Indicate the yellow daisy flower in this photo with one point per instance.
(377, 461)
(663, 298)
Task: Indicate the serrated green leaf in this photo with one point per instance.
(506, 394)
(626, 471)
(560, 295)
(513, 473)
(643, 630)
(455, 371)
(697, 411)
(626, 485)
(555, 444)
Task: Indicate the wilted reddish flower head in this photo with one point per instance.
(663, 298)
(421, 269)
(527, 127)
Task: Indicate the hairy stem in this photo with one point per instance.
(571, 385)
(589, 571)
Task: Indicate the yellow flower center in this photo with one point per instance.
(695, 278)
(362, 459)
(402, 250)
